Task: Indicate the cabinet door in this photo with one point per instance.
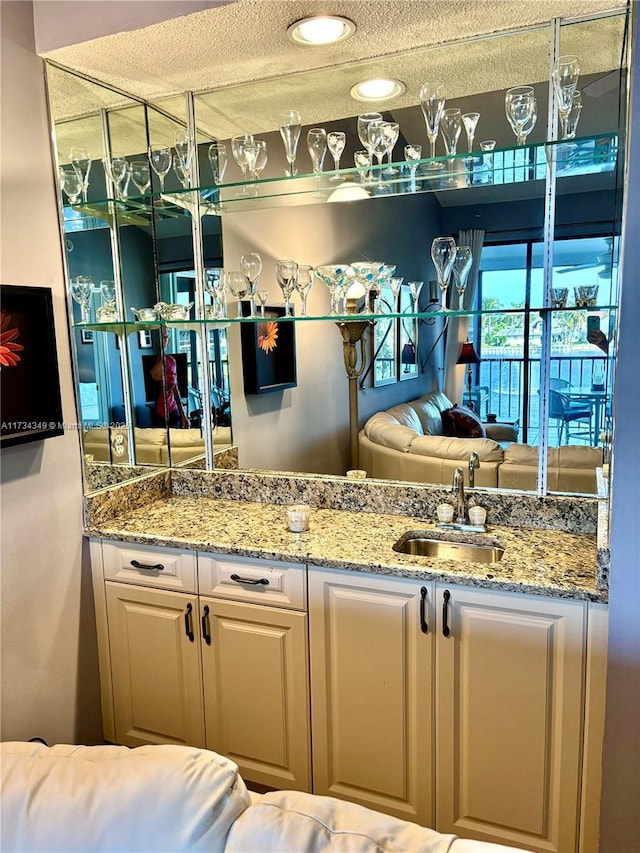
(155, 666)
(509, 718)
(256, 682)
(371, 689)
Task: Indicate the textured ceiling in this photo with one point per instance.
(240, 52)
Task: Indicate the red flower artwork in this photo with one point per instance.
(267, 336)
(8, 350)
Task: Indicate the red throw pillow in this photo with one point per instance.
(460, 422)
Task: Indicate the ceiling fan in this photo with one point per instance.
(605, 260)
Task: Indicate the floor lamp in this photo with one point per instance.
(468, 356)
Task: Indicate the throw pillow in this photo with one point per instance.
(460, 422)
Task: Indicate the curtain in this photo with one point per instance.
(456, 335)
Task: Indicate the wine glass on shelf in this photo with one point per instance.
(377, 142)
(414, 289)
(413, 154)
(461, 269)
(451, 128)
(72, 185)
(520, 108)
(317, 146)
(107, 313)
(238, 285)
(217, 155)
(81, 290)
(287, 277)
(565, 76)
(331, 275)
(390, 134)
(181, 173)
(251, 158)
(160, 159)
(261, 159)
(394, 282)
(215, 283)
(470, 121)
(362, 160)
(304, 282)
(239, 149)
(184, 149)
(432, 102)
(290, 127)
(116, 169)
(364, 121)
(81, 162)
(336, 140)
(262, 295)
(443, 255)
(573, 116)
(487, 146)
(251, 266)
(141, 175)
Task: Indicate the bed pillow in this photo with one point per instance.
(460, 422)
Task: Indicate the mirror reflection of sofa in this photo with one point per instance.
(407, 442)
(153, 446)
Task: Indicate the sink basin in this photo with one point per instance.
(443, 549)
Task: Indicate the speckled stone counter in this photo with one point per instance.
(543, 561)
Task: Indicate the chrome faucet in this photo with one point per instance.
(474, 463)
(458, 491)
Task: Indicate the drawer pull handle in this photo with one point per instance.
(147, 568)
(188, 622)
(206, 636)
(423, 598)
(445, 601)
(252, 581)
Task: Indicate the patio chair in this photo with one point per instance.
(566, 413)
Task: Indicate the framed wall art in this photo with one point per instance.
(268, 352)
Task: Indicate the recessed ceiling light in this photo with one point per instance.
(377, 90)
(321, 30)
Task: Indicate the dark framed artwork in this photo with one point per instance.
(407, 337)
(30, 383)
(86, 336)
(268, 352)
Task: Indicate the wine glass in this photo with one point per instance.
(390, 134)
(116, 169)
(261, 159)
(239, 146)
(336, 140)
(106, 313)
(262, 295)
(218, 160)
(81, 290)
(181, 173)
(333, 275)
(573, 116)
(251, 266)
(413, 154)
(470, 121)
(72, 186)
(451, 127)
(303, 285)
(520, 108)
(215, 283)
(141, 175)
(565, 75)
(362, 160)
(377, 143)
(461, 268)
(394, 282)
(160, 159)
(238, 284)
(443, 255)
(184, 149)
(287, 277)
(317, 145)
(432, 103)
(290, 127)
(81, 162)
(364, 121)
(414, 289)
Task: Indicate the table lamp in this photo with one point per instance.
(468, 356)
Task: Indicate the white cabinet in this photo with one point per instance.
(509, 710)
(371, 689)
(155, 666)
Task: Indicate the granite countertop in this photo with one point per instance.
(543, 562)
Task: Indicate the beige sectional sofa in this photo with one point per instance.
(406, 442)
(109, 444)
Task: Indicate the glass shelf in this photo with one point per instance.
(498, 171)
(131, 326)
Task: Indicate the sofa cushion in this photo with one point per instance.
(99, 798)
(521, 454)
(406, 415)
(457, 448)
(384, 429)
(575, 456)
(187, 438)
(150, 435)
(428, 408)
(462, 422)
(291, 821)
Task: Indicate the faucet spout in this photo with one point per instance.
(474, 464)
(458, 491)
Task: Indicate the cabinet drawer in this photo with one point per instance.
(258, 581)
(163, 568)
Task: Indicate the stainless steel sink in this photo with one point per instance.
(443, 549)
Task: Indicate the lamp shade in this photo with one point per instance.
(408, 354)
(468, 355)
